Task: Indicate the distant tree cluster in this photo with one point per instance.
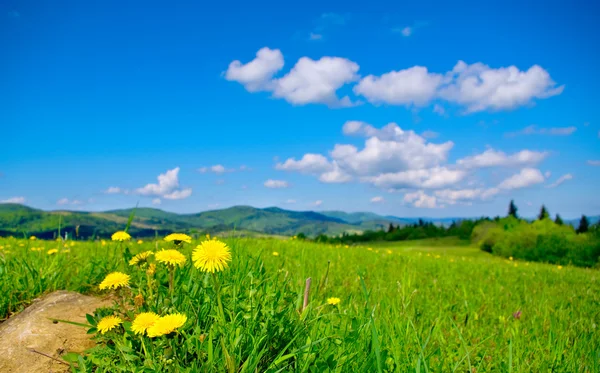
(542, 240)
(419, 230)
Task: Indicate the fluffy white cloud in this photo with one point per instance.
(480, 87)
(421, 199)
(167, 187)
(318, 203)
(554, 131)
(336, 175)
(593, 163)
(525, 178)
(453, 196)
(477, 87)
(437, 177)
(275, 184)
(178, 194)
(312, 81)
(494, 158)
(377, 199)
(14, 200)
(257, 74)
(560, 180)
(156, 201)
(309, 164)
(413, 86)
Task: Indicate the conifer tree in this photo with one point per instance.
(512, 209)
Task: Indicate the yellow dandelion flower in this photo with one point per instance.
(178, 238)
(208, 236)
(33, 238)
(114, 280)
(66, 250)
(370, 248)
(346, 246)
(140, 242)
(388, 251)
(275, 253)
(166, 324)
(151, 269)
(121, 236)
(510, 258)
(333, 301)
(52, 251)
(143, 322)
(211, 256)
(559, 267)
(170, 257)
(108, 323)
(140, 258)
(103, 243)
(72, 244)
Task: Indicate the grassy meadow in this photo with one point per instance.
(413, 306)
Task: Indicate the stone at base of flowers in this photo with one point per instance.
(33, 329)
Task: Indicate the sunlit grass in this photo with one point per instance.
(430, 305)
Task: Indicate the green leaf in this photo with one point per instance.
(131, 216)
(90, 319)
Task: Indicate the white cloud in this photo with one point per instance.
(593, 163)
(178, 194)
(421, 199)
(554, 131)
(437, 177)
(14, 200)
(412, 86)
(453, 196)
(318, 203)
(477, 87)
(336, 175)
(113, 190)
(377, 199)
(275, 184)
(167, 187)
(560, 180)
(314, 36)
(407, 31)
(290, 201)
(219, 169)
(156, 201)
(257, 74)
(494, 158)
(312, 81)
(525, 178)
(480, 87)
(310, 164)
(62, 201)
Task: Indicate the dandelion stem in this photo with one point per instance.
(171, 278)
(218, 292)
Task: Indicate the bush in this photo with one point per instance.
(542, 240)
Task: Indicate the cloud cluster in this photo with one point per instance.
(394, 159)
(475, 87)
(276, 184)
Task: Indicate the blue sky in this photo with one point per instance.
(330, 106)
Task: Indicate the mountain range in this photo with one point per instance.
(16, 219)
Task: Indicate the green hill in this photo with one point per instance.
(22, 220)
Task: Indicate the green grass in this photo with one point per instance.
(423, 306)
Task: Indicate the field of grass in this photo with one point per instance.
(423, 306)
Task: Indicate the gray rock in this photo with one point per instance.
(32, 329)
